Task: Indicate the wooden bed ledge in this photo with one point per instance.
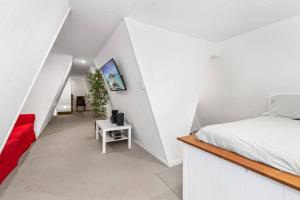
(265, 170)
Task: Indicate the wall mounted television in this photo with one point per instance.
(112, 76)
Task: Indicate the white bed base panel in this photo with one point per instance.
(208, 177)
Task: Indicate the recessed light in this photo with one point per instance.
(83, 61)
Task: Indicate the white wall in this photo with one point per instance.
(133, 102)
(171, 65)
(64, 102)
(251, 66)
(47, 88)
(77, 86)
(28, 30)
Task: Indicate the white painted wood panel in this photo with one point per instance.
(208, 177)
(262, 188)
(232, 181)
(254, 187)
(209, 170)
(290, 194)
(271, 190)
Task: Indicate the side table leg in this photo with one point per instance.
(129, 138)
(103, 141)
(97, 132)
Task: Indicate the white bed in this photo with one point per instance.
(212, 173)
(274, 141)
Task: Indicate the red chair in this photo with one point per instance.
(20, 139)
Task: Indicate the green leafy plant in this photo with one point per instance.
(98, 94)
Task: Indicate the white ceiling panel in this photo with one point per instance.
(92, 21)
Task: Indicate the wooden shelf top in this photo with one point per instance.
(285, 178)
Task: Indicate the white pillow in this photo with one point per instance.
(285, 106)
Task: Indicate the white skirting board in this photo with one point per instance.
(208, 177)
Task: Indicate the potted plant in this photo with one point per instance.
(98, 94)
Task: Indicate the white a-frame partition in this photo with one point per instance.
(28, 30)
(161, 69)
(47, 89)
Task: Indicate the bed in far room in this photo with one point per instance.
(252, 159)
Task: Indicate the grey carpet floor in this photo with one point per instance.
(66, 163)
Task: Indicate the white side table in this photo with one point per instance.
(102, 128)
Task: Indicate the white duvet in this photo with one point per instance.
(274, 141)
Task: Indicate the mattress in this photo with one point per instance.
(274, 141)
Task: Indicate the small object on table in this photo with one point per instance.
(113, 117)
(120, 119)
(116, 134)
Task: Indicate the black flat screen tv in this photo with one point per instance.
(112, 76)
